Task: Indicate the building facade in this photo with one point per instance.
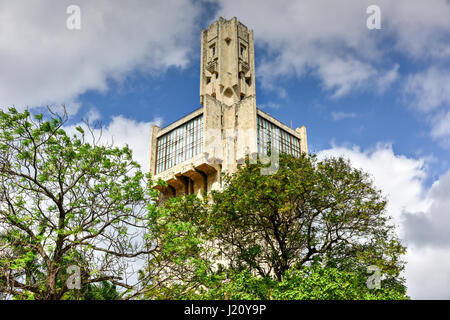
(192, 153)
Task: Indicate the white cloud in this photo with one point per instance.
(422, 215)
(441, 125)
(429, 92)
(430, 89)
(336, 116)
(42, 62)
(270, 105)
(430, 227)
(427, 273)
(384, 81)
(93, 115)
(343, 75)
(400, 178)
(122, 131)
(329, 39)
(428, 239)
(421, 28)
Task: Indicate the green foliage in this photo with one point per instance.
(309, 283)
(307, 232)
(178, 231)
(65, 200)
(103, 291)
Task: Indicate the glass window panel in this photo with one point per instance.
(180, 144)
(281, 140)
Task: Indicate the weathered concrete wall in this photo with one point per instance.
(154, 130)
(303, 139)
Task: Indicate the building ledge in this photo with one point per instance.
(195, 168)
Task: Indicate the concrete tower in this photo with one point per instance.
(192, 153)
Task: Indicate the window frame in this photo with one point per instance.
(282, 140)
(179, 144)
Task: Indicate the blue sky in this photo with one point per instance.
(379, 97)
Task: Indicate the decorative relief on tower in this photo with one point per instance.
(212, 66)
(227, 62)
(212, 50)
(212, 31)
(243, 67)
(242, 32)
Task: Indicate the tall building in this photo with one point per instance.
(192, 153)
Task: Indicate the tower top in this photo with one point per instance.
(227, 68)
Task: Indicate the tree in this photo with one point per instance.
(66, 201)
(185, 255)
(309, 210)
(309, 213)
